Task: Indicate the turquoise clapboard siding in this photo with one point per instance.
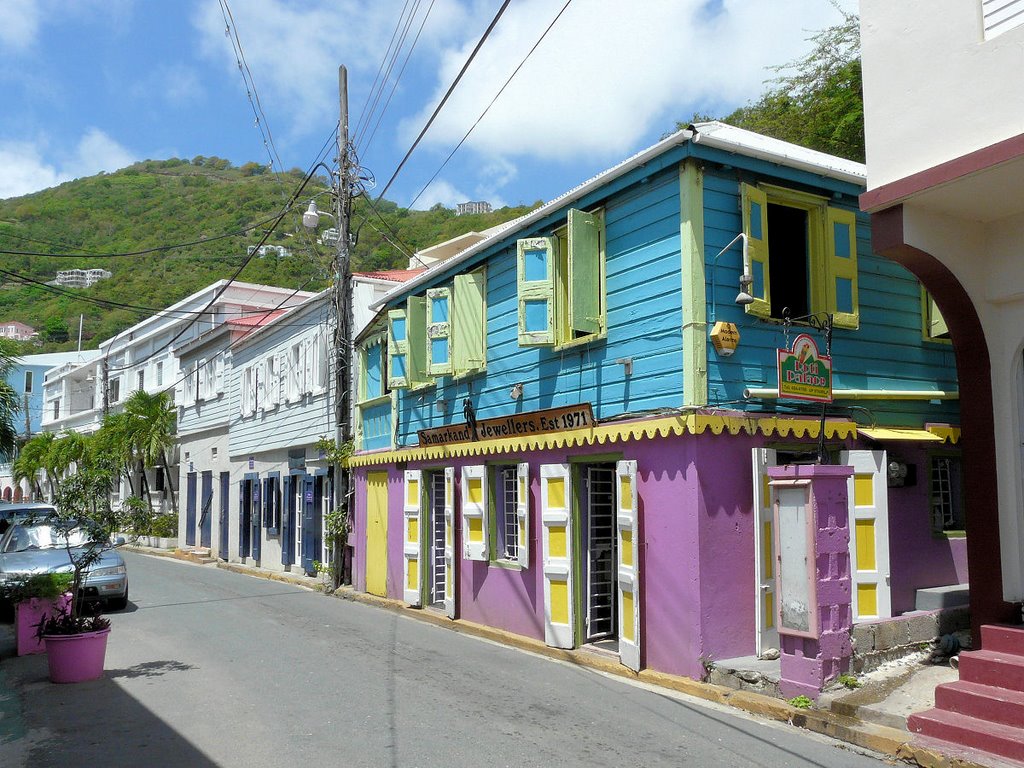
(376, 425)
(644, 316)
(885, 352)
(644, 322)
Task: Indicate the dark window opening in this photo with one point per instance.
(788, 261)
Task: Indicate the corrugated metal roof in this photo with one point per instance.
(256, 320)
(712, 134)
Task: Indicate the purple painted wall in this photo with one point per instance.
(697, 555)
(918, 558)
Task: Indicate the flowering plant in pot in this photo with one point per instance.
(84, 524)
(33, 596)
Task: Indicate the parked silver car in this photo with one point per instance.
(35, 546)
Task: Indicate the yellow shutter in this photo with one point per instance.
(755, 226)
(841, 267)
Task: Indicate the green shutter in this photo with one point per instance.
(755, 226)
(469, 319)
(398, 349)
(416, 338)
(439, 331)
(841, 267)
(535, 275)
(586, 302)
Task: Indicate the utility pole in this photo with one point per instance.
(343, 314)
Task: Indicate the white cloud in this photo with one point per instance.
(293, 51)
(440, 191)
(26, 170)
(19, 23)
(608, 72)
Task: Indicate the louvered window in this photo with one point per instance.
(1000, 16)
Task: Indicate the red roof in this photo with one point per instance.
(256, 320)
(394, 275)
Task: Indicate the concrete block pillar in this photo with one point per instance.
(815, 655)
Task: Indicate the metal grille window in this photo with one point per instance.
(947, 496)
(600, 499)
(506, 522)
(437, 537)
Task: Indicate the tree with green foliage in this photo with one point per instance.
(151, 427)
(56, 329)
(816, 101)
(9, 405)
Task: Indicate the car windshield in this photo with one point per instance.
(23, 538)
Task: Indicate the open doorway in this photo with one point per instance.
(598, 546)
(436, 565)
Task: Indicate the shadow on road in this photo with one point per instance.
(95, 723)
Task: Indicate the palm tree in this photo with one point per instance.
(69, 448)
(114, 441)
(31, 460)
(9, 404)
(152, 425)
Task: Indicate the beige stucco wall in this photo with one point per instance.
(987, 261)
(934, 89)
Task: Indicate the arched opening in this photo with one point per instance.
(974, 372)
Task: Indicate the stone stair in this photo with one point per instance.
(201, 555)
(984, 709)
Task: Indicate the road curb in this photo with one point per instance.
(891, 742)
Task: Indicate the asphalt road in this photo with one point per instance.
(211, 668)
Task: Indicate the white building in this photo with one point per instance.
(474, 206)
(260, 395)
(81, 278)
(75, 397)
(945, 156)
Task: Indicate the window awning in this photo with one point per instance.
(899, 433)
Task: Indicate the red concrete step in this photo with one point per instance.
(956, 729)
(1003, 638)
(985, 702)
(1003, 670)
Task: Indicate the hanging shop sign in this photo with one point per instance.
(803, 373)
(517, 425)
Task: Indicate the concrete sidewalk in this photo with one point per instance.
(872, 716)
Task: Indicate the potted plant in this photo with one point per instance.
(85, 523)
(33, 597)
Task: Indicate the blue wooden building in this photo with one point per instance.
(563, 430)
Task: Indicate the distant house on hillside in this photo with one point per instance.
(263, 251)
(476, 206)
(17, 331)
(81, 278)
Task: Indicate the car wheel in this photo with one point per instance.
(119, 603)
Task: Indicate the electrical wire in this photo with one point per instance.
(491, 104)
(363, 114)
(394, 85)
(444, 100)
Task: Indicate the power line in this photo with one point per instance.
(390, 56)
(147, 251)
(444, 100)
(394, 85)
(491, 104)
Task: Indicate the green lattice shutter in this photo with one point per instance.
(755, 226)
(469, 320)
(585, 285)
(535, 266)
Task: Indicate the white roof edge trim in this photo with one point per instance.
(627, 165)
(712, 134)
(739, 140)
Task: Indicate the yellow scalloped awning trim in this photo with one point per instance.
(948, 432)
(606, 434)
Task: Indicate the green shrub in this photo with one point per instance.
(801, 702)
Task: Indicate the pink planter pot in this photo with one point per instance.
(28, 614)
(76, 658)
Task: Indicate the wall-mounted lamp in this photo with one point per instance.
(744, 297)
(516, 392)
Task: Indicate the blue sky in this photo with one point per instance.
(93, 85)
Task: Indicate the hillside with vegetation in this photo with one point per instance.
(204, 201)
(816, 101)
